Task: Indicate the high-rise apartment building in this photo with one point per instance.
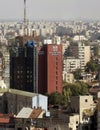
(37, 69)
(83, 54)
(79, 51)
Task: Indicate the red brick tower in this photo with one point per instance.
(50, 69)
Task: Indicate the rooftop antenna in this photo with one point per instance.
(24, 16)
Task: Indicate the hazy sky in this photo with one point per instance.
(51, 9)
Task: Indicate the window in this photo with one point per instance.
(27, 76)
(56, 68)
(18, 77)
(56, 63)
(30, 81)
(30, 76)
(56, 58)
(27, 71)
(56, 82)
(76, 122)
(56, 88)
(86, 100)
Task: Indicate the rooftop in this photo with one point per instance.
(29, 113)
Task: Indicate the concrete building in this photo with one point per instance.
(71, 64)
(82, 108)
(68, 77)
(12, 101)
(79, 51)
(73, 121)
(83, 54)
(71, 51)
(79, 38)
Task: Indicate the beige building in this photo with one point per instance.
(83, 54)
(68, 77)
(71, 64)
(73, 121)
(82, 108)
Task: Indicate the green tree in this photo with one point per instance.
(67, 93)
(77, 74)
(91, 66)
(83, 88)
(96, 50)
(76, 89)
(54, 98)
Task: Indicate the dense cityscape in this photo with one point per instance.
(49, 69)
(50, 75)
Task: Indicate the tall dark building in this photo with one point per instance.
(23, 68)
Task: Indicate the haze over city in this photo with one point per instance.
(49, 65)
(50, 9)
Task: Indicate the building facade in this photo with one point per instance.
(50, 68)
(23, 67)
(36, 68)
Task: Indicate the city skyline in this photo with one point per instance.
(50, 9)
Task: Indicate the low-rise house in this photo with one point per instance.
(25, 118)
(7, 122)
(82, 109)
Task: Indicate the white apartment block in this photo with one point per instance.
(84, 55)
(71, 64)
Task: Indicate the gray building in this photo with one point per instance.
(14, 100)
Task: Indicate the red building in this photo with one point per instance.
(50, 69)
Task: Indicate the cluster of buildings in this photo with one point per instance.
(36, 68)
(60, 32)
(75, 57)
(30, 111)
(34, 65)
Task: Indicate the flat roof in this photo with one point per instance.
(22, 93)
